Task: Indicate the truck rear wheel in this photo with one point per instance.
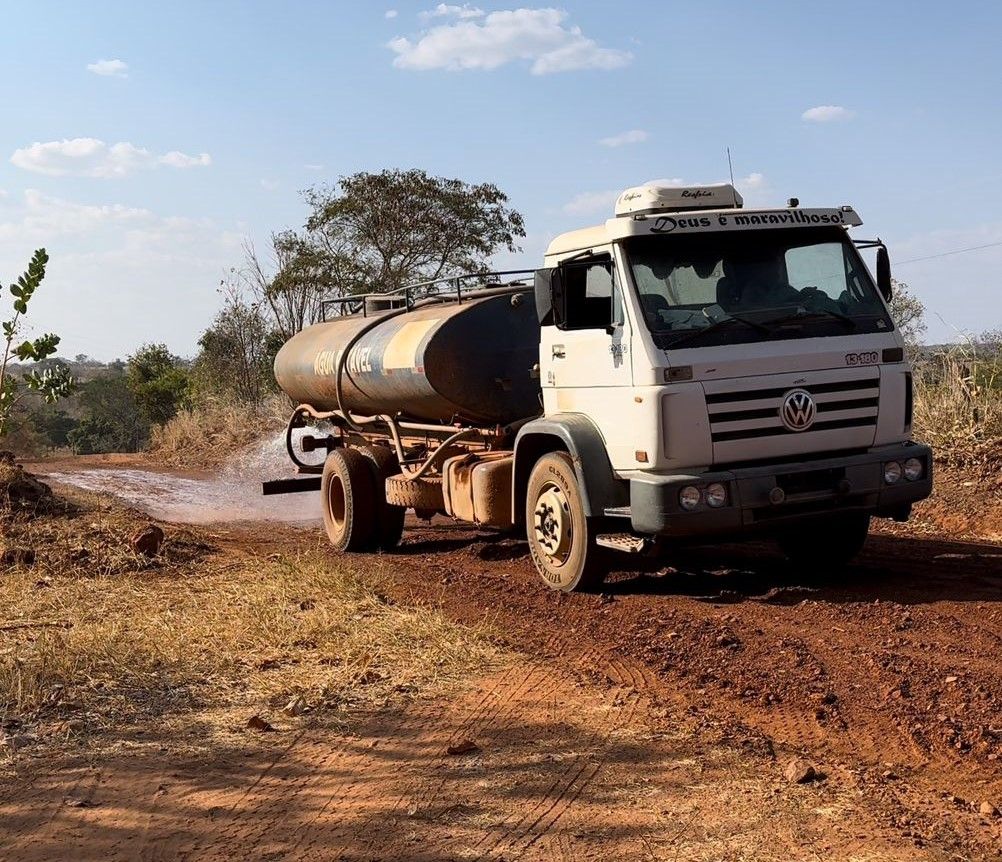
(348, 498)
(560, 537)
(828, 546)
(389, 518)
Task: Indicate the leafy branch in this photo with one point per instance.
(51, 383)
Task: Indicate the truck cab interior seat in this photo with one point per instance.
(654, 304)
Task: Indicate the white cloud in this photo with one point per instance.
(109, 68)
(755, 190)
(634, 136)
(538, 36)
(314, 167)
(826, 114)
(174, 159)
(390, 14)
(447, 10)
(270, 185)
(43, 217)
(589, 203)
(754, 182)
(118, 275)
(672, 181)
(90, 157)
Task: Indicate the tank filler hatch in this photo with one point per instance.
(641, 200)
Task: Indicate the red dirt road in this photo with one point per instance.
(650, 722)
(562, 771)
(888, 677)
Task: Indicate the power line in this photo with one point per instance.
(948, 253)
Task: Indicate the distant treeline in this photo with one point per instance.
(116, 405)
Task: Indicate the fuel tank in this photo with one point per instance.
(470, 361)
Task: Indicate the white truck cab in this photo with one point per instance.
(718, 371)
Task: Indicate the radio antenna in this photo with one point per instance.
(730, 169)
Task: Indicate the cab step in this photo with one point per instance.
(625, 542)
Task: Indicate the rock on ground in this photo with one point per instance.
(148, 540)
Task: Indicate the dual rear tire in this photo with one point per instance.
(357, 516)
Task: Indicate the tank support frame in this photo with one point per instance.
(396, 429)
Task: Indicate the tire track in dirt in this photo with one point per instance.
(60, 818)
(621, 703)
(491, 719)
(312, 774)
(319, 758)
(343, 798)
(486, 721)
(418, 722)
(559, 797)
(232, 830)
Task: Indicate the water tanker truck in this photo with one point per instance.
(688, 371)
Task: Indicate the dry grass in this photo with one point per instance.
(207, 435)
(115, 637)
(958, 411)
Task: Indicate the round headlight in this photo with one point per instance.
(689, 497)
(892, 472)
(913, 469)
(716, 495)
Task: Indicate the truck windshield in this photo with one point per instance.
(744, 286)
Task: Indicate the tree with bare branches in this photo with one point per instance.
(374, 232)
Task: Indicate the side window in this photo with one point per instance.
(588, 294)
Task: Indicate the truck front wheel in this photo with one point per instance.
(828, 546)
(560, 539)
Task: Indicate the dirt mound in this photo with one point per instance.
(80, 535)
(21, 492)
(964, 505)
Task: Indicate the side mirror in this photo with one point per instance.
(550, 296)
(884, 273)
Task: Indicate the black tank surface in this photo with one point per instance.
(469, 361)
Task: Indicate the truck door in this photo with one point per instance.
(585, 358)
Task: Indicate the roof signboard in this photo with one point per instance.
(729, 220)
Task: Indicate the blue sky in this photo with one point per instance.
(144, 177)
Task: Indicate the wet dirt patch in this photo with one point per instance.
(209, 500)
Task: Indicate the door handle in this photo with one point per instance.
(558, 351)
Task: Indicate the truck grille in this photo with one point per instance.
(739, 411)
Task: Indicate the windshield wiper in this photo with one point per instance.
(719, 324)
(803, 314)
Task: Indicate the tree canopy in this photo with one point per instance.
(376, 232)
(158, 381)
(908, 313)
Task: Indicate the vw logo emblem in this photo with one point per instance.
(798, 410)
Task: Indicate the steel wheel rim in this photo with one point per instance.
(553, 526)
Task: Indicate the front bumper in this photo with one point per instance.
(807, 490)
